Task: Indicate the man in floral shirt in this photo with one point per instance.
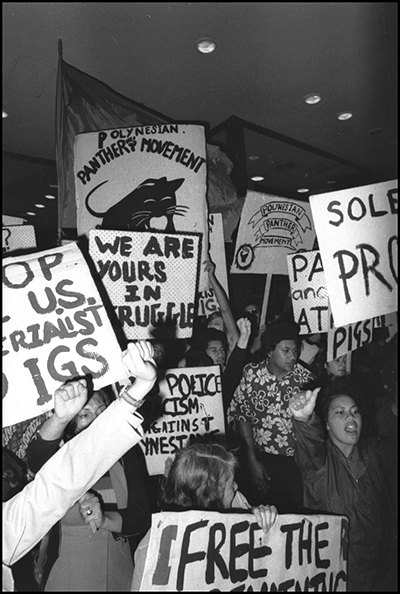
(261, 415)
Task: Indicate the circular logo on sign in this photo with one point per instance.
(244, 256)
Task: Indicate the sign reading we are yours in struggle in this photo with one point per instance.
(150, 278)
(54, 327)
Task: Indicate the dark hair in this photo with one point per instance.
(198, 477)
(15, 474)
(342, 385)
(107, 395)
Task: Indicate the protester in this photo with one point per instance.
(252, 313)
(68, 475)
(259, 410)
(223, 319)
(103, 560)
(202, 477)
(344, 474)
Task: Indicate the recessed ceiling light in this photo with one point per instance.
(312, 99)
(254, 158)
(5, 114)
(344, 115)
(331, 181)
(32, 214)
(375, 131)
(206, 45)
(257, 178)
(303, 190)
(40, 206)
(50, 197)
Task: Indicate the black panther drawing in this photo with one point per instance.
(150, 206)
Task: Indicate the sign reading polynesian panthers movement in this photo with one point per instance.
(55, 327)
(206, 551)
(271, 228)
(143, 178)
(357, 237)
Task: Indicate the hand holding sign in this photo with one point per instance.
(302, 404)
(265, 516)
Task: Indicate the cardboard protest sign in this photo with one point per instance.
(143, 178)
(308, 292)
(151, 279)
(349, 337)
(54, 327)
(199, 551)
(207, 300)
(271, 228)
(357, 237)
(17, 237)
(191, 406)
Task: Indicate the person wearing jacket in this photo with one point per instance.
(68, 475)
(343, 474)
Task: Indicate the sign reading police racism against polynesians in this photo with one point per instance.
(151, 279)
(54, 327)
(308, 292)
(191, 407)
(143, 178)
(271, 228)
(357, 237)
(197, 551)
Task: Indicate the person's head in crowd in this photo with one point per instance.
(160, 352)
(337, 367)
(202, 476)
(95, 405)
(282, 346)
(15, 474)
(215, 346)
(215, 320)
(340, 411)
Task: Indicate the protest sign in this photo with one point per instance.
(54, 327)
(349, 337)
(191, 408)
(270, 228)
(199, 551)
(150, 278)
(357, 237)
(308, 292)
(143, 178)
(208, 302)
(17, 237)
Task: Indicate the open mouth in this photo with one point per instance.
(351, 428)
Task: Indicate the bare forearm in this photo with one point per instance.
(53, 428)
(112, 521)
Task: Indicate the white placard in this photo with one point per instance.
(199, 551)
(357, 237)
(270, 228)
(143, 178)
(54, 327)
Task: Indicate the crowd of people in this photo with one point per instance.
(303, 435)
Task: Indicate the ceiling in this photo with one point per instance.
(268, 57)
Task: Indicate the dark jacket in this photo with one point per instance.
(355, 487)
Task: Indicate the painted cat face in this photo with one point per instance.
(150, 206)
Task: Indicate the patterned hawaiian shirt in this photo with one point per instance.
(262, 400)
